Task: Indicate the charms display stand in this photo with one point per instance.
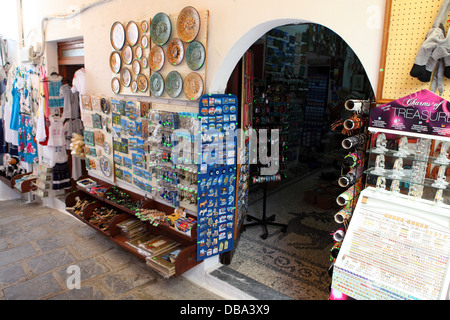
(264, 221)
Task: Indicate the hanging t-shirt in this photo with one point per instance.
(56, 136)
(54, 100)
(11, 136)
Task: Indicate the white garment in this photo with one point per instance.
(54, 155)
(41, 135)
(56, 137)
(79, 85)
(11, 136)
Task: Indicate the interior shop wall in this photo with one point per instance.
(233, 27)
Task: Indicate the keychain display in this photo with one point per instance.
(217, 175)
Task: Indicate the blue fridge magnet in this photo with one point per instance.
(218, 115)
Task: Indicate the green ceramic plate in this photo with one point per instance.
(160, 29)
(173, 84)
(156, 84)
(195, 55)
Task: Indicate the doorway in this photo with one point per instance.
(301, 74)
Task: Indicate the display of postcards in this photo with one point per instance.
(137, 145)
(134, 128)
(139, 160)
(120, 145)
(119, 173)
(142, 185)
(116, 132)
(131, 111)
(127, 176)
(118, 159)
(118, 106)
(145, 108)
(139, 172)
(97, 122)
(89, 138)
(116, 119)
(127, 162)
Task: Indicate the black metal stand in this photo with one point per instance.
(265, 221)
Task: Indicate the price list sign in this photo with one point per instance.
(391, 256)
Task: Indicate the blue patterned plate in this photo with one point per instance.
(160, 29)
(156, 84)
(195, 55)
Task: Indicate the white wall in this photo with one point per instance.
(233, 26)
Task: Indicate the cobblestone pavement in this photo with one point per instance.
(38, 244)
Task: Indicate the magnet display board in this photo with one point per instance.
(395, 248)
(217, 175)
(406, 25)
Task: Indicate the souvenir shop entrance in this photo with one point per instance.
(295, 79)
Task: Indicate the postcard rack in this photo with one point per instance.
(186, 258)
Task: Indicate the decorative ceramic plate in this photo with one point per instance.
(127, 54)
(188, 24)
(115, 85)
(195, 55)
(142, 82)
(136, 66)
(132, 33)
(193, 86)
(105, 166)
(144, 26)
(138, 52)
(144, 42)
(160, 29)
(104, 104)
(125, 77)
(156, 84)
(106, 148)
(173, 84)
(115, 62)
(175, 52)
(117, 35)
(144, 62)
(134, 86)
(156, 58)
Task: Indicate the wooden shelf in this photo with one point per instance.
(186, 259)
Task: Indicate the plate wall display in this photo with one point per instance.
(175, 52)
(160, 29)
(132, 33)
(115, 85)
(156, 58)
(136, 66)
(188, 24)
(195, 55)
(142, 82)
(117, 35)
(193, 86)
(115, 62)
(104, 104)
(127, 54)
(156, 84)
(125, 77)
(173, 84)
(105, 166)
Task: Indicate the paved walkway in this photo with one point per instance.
(38, 244)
